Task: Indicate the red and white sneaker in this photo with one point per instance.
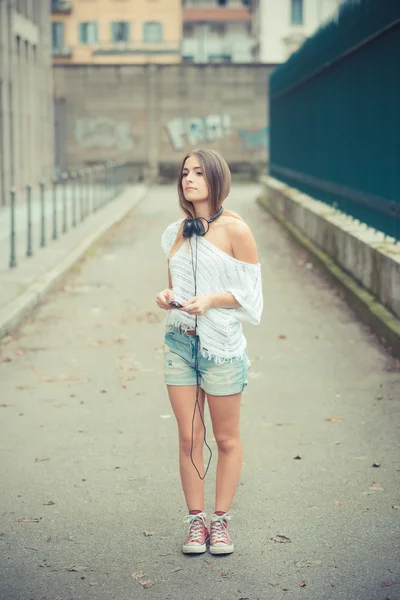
(220, 542)
(196, 542)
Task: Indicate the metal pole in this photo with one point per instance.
(42, 218)
(64, 201)
(81, 181)
(13, 260)
(90, 190)
(29, 215)
(73, 199)
(54, 208)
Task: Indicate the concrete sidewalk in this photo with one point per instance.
(24, 287)
(91, 506)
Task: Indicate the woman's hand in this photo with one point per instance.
(198, 305)
(163, 298)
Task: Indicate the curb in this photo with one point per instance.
(380, 320)
(14, 313)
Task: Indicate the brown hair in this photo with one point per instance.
(218, 179)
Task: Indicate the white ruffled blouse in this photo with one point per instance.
(219, 329)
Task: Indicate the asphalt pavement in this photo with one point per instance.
(91, 506)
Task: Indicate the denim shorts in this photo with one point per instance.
(215, 379)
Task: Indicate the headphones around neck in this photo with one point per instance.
(196, 227)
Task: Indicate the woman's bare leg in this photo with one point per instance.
(183, 400)
(225, 417)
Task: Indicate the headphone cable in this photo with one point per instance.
(196, 364)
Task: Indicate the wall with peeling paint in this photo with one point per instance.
(151, 115)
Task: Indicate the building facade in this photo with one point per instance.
(26, 95)
(217, 31)
(116, 32)
(281, 26)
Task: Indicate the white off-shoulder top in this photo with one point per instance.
(219, 329)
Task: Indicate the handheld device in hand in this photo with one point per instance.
(174, 303)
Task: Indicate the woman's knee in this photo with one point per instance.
(227, 443)
(187, 442)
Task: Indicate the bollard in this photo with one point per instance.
(64, 202)
(89, 191)
(13, 260)
(54, 208)
(74, 175)
(81, 181)
(29, 218)
(42, 217)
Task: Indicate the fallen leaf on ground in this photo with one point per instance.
(29, 520)
(334, 419)
(147, 584)
(397, 506)
(281, 538)
(376, 486)
(307, 563)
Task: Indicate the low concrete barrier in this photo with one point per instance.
(364, 262)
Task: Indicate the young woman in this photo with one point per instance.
(214, 284)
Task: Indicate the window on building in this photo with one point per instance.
(120, 31)
(188, 30)
(217, 29)
(88, 32)
(297, 12)
(57, 34)
(153, 31)
(219, 58)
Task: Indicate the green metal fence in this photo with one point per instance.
(335, 115)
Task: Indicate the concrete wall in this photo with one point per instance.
(26, 107)
(368, 256)
(151, 115)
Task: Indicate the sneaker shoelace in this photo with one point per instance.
(197, 525)
(218, 530)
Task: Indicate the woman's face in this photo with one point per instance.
(194, 184)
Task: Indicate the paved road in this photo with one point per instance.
(91, 506)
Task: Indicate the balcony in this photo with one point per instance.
(63, 7)
(237, 50)
(202, 11)
(129, 47)
(61, 51)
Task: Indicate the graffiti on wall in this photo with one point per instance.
(102, 132)
(197, 129)
(257, 139)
